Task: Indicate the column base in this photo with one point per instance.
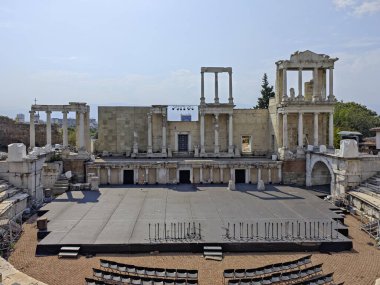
(230, 101)
(150, 150)
(331, 98)
(164, 150)
(216, 149)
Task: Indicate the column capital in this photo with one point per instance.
(48, 112)
(65, 112)
(301, 112)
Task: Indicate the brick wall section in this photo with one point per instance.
(294, 172)
(11, 132)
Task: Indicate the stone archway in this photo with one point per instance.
(320, 172)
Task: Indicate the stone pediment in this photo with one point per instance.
(307, 60)
(309, 56)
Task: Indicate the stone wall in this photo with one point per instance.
(293, 172)
(12, 132)
(51, 172)
(77, 168)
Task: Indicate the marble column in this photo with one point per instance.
(230, 98)
(285, 130)
(279, 173)
(81, 130)
(201, 174)
(64, 129)
(230, 134)
(203, 101)
(216, 131)
(331, 84)
(300, 130)
(232, 174)
(202, 134)
(221, 175)
(269, 175)
(284, 85)
(147, 175)
(211, 174)
(216, 99)
(331, 129)
(32, 132)
(315, 85)
(150, 149)
(300, 83)
(164, 133)
(316, 140)
(48, 127)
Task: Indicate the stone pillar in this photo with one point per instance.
(279, 174)
(230, 134)
(201, 174)
(285, 130)
(221, 174)
(216, 99)
(258, 173)
(232, 174)
(248, 175)
(230, 98)
(48, 127)
(164, 134)
(64, 129)
(32, 132)
(284, 85)
(202, 129)
(331, 84)
(150, 149)
(300, 83)
(216, 129)
(108, 175)
(316, 141)
(331, 130)
(315, 85)
(81, 130)
(203, 101)
(211, 174)
(147, 175)
(121, 176)
(300, 130)
(269, 175)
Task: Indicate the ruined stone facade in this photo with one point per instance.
(225, 143)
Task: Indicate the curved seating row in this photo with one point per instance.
(276, 278)
(115, 277)
(148, 271)
(319, 280)
(142, 281)
(268, 269)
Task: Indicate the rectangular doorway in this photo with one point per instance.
(184, 176)
(239, 175)
(183, 142)
(128, 177)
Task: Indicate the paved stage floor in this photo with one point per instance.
(121, 215)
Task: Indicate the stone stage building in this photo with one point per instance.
(139, 145)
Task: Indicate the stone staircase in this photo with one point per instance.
(60, 186)
(11, 196)
(213, 253)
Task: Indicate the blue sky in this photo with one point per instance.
(150, 52)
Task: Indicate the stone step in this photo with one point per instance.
(3, 187)
(212, 248)
(68, 254)
(8, 193)
(70, 248)
(213, 253)
(216, 258)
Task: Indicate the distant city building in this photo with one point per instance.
(71, 123)
(20, 118)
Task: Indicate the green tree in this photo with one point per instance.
(71, 136)
(266, 93)
(351, 116)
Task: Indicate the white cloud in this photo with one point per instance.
(367, 7)
(358, 7)
(343, 3)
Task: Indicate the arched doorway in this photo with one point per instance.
(322, 176)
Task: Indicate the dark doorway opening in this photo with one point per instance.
(184, 176)
(239, 175)
(128, 177)
(183, 143)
